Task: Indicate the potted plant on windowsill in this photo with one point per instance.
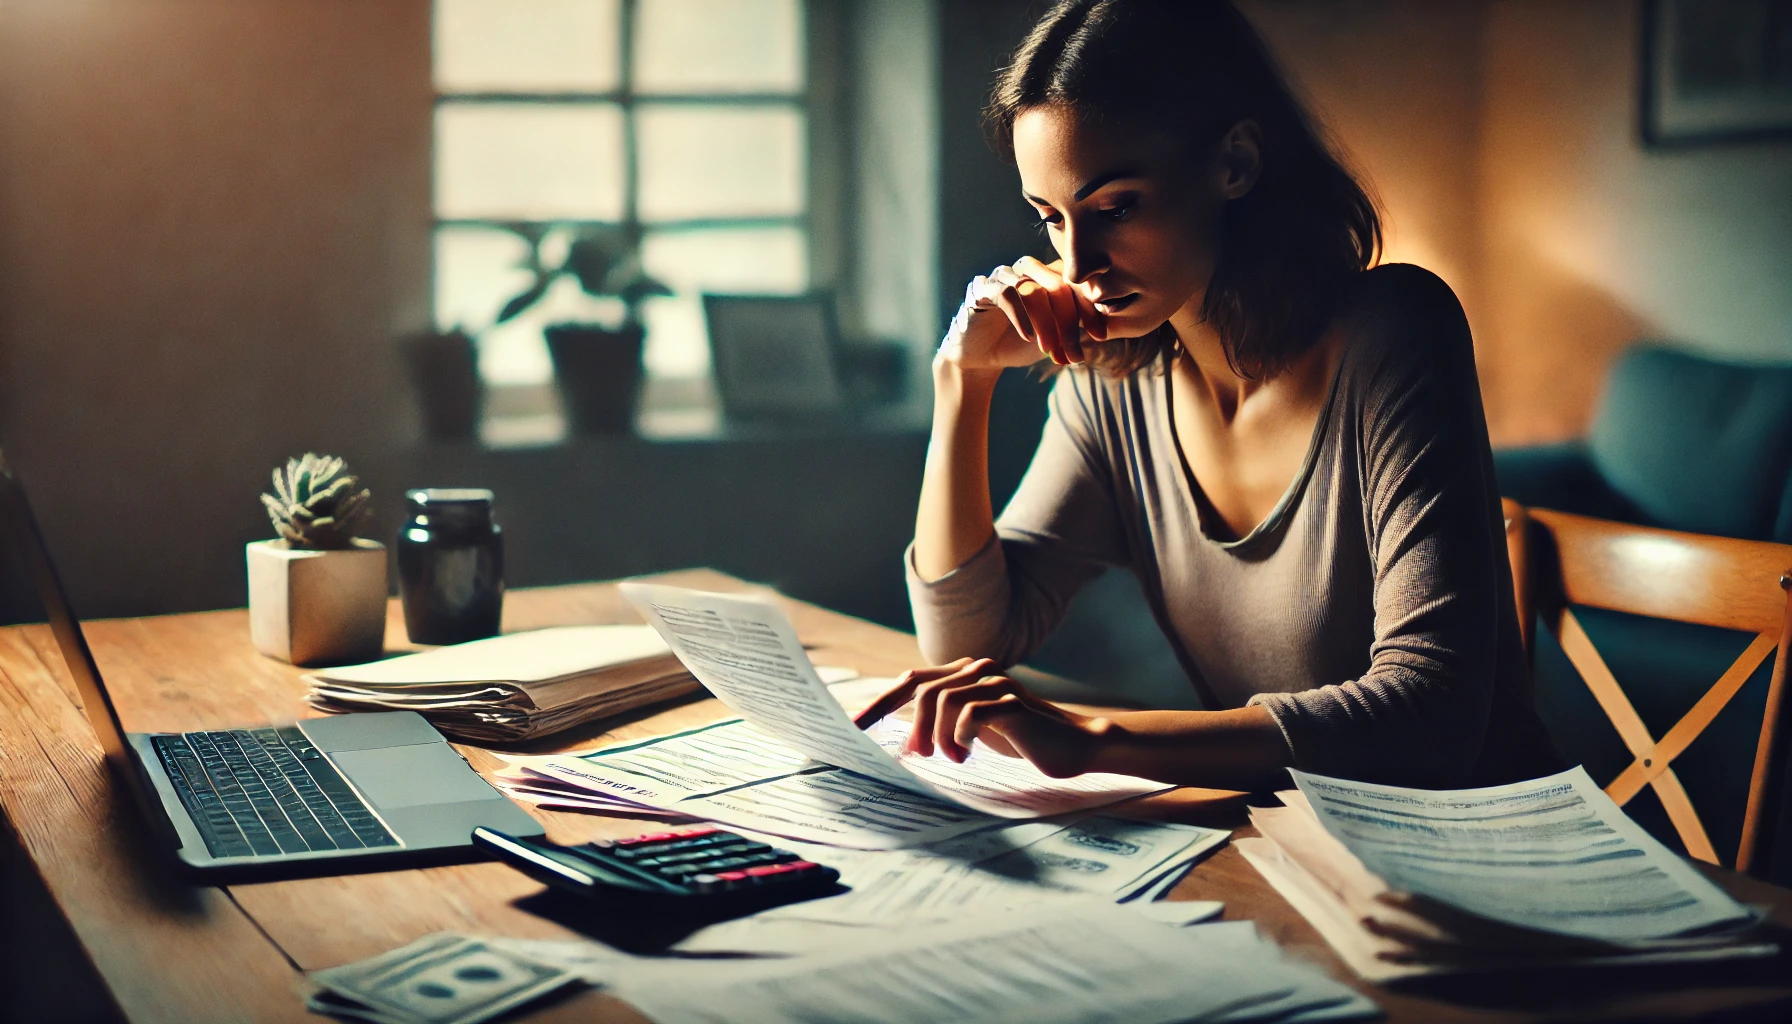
(317, 593)
(596, 367)
(444, 372)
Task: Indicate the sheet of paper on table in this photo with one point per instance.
(733, 773)
(1099, 859)
(745, 651)
(796, 767)
(1042, 965)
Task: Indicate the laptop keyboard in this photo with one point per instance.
(265, 792)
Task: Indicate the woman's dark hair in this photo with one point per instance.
(1195, 68)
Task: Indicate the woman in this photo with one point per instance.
(1285, 446)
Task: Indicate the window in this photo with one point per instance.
(683, 122)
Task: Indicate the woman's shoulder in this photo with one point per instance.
(1398, 316)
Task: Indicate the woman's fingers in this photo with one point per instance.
(974, 717)
(1063, 300)
(927, 697)
(1003, 292)
(1042, 327)
(1048, 332)
(950, 705)
(904, 691)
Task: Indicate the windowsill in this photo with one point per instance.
(527, 417)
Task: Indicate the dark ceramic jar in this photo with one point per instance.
(450, 566)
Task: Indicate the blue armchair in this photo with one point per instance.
(1684, 443)
(1679, 441)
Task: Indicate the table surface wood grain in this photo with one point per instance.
(172, 952)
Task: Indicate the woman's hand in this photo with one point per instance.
(969, 700)
(1017, 315)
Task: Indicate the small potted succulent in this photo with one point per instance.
(597, 368)
(317, 593)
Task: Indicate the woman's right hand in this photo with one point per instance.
(1015, 316)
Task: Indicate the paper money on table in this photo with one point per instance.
(439, 979)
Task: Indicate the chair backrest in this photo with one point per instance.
(1562, 560)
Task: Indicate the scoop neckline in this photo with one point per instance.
(1197, 497)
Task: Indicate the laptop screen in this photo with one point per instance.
(27, 543)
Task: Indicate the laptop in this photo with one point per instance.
(331, 795)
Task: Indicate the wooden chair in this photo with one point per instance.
(1561, 560)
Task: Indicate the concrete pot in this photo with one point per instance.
(317, 607)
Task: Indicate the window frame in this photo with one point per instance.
(628, 102)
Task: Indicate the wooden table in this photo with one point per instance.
(161, 950)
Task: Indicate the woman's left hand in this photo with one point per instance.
(970, 700)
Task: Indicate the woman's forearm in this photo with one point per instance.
(955, 519)
(1237, 749)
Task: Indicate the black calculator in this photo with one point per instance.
(692, 867)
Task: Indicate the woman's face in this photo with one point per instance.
(1134, 219)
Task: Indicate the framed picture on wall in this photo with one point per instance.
(1716, 71)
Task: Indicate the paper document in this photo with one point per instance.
(1552, 854)
(1043, 966)
(733, 773)
(747, 654)
(515, 686)
(1009, 868)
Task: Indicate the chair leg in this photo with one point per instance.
(1767, 787)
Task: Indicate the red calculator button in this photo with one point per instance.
(767, 869)
(651, 837)
(799, 865)
(692, 833)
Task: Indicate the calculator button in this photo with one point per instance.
(768, 857)
(680, 858)
(700, 830)
(651, 837)
(707, 883)
(733, 879)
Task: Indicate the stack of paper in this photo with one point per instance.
(1043, 965)
(514, 687)
(1046, 964)
(1543, 873)
(1096, 860)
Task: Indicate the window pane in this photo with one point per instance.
(524, 45)
(477, 271)
(686, 46)
(720, 161)
(528, 161)
(741, 260)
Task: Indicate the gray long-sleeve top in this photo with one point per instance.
(1371, 614)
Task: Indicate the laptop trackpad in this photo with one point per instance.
(423, 773)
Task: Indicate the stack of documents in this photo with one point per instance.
(794, 765)
(1544, 873)
(1097, 860)
(1044, 965)
(514, 687)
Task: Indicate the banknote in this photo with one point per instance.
(439, 979)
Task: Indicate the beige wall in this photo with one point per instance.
(1501, 136)
(1591, 241)
(1397, 83)
(213, 217)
